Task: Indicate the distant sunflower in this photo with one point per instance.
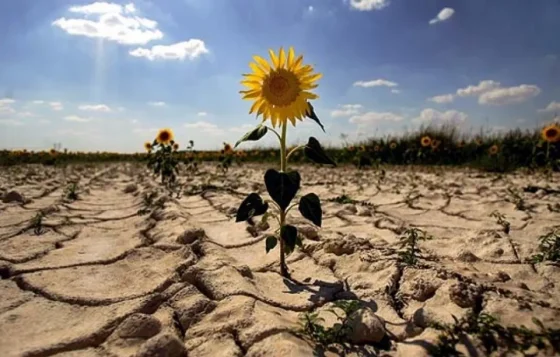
(435, 144)
(227, 148)
(461, 144)
(351, 148)
(393, 145)
(362, 148)
(164, 136)
(493, 150)
(426, 141)
(280, 89)
(376, 148)
(52, 151)
(551, 133)
(148, 146)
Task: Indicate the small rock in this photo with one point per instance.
(522, 286)
(498, 252)
(364, 211)
(309, 232)
(366, 327)
(502, 276)
(13, 196)
(463, 295)
(131, 187)
(139, 326)
(5, 270)
(164, 345)
(467, 256)
(422, 290)
(231, 211)
(190, 235)
(349, 208)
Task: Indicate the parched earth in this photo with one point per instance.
(185, 279)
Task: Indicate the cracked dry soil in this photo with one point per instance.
(104, 281)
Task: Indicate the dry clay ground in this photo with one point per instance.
(186, 279)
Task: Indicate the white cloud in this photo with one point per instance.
(97, 8)
(395, 91)
(368, 5)
(157, 104)
(551, 107)
(375, 83)
(481, 88)
(346, 110)
(370, 118)
(202, 114)
(205, 127)
(11, 122)
(77, 119)
(110, 24)
(6, 101)
(440, 99)
(430, 115)
(310, 8)
(242, 129)
(444, 15)
(510, 95)
(38, 102)
(95, 108)
(190, 49)
(25, 114)
(56, 106)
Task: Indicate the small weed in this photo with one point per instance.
(516, 198)
(409, 241)
(149, 203)
(549, 247)
(37, 224)
(71, 192)
(310, 324)
(493, 336)
(501, 220)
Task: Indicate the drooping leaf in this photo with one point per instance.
(253, 205)
(282, 186)
(253, 135)
(311, 115)
(289, 234)
(310, 208)
(271, 242)
(314, 152)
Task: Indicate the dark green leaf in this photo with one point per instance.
(253, 205)
(314, 152)
(310, 208)
(254, 135)
(288, 233)
(282, 186)
(271, 242)
(310, 113)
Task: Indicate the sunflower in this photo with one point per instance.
(435, 144)
(227, 148)
(376, 148)
(148, 146)
(175, 146)
(493, 150)
(280, 89)
(164, 137)
(393, 145)
(362, 148)
(426, 141)
(351, 148)
(461, 144)
(551, 133)
(52, 151)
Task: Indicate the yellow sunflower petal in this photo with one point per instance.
(258, 70)
(281, 58)
(251, 94)
(312, 78)
(291, 57)
(262, 62)
(273, 58)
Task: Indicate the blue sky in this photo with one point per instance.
(107, 75)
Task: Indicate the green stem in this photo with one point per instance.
(275, 133)
(293, 151)
(283, 162)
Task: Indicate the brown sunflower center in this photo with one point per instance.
(551, 133)
(281, 87)
(164, 136)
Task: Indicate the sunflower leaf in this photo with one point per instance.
(254, 135)
(253, 205)
(314, 152)
(289, 235)
(311, 115)
(282, 186)
(271, 242)
(310, 208)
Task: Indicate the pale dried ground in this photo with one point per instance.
(104, 281)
